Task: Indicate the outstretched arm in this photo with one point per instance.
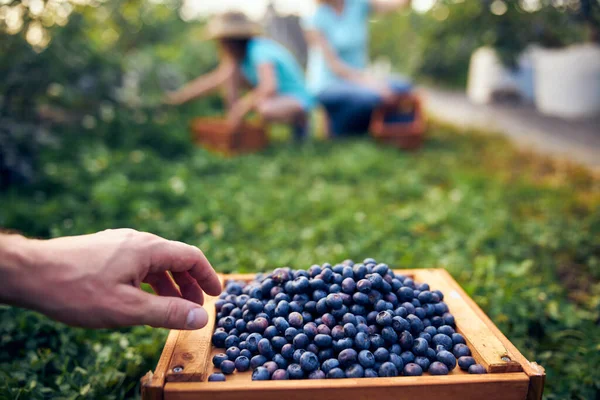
(266, 88)
(203, 85)
(387, 6)
(93, 281)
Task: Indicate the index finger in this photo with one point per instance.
(180, 257)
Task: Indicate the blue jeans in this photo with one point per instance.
(349, 106)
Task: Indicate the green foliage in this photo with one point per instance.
(514, 231)
(438, 45)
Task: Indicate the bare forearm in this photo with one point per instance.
(16, 259)
(387, 6)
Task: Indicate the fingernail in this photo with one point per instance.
(196, 319)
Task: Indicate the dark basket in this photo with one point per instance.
(401, 124)
(215, 134)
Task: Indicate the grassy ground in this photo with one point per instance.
(521, 234)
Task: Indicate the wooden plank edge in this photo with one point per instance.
(152, 384)
(535, 372)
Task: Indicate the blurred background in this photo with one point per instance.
(86, 144)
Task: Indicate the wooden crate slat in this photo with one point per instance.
(536, 372)
(193, 348)
(511, 386)
(153, 383)
(487, 349)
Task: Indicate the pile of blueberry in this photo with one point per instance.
(344, 321)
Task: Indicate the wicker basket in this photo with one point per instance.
(401, 124)
(215, 134)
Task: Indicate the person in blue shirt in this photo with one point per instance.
(278, 91)
(338, 36)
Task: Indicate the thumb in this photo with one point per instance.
(170, 312)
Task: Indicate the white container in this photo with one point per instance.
(487, 76)
(567, 81)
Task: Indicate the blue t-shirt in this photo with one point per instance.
(289, 74)
(347, 34)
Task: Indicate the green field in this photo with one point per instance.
(520, 233)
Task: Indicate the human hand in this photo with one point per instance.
(93, 281)
(236, 114)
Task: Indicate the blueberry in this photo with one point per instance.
(290, 333)
(423, 362)
(327, 275)
(322, 307)
(406, 340)
(461, 350)
(441, 308)
(342, 344)
(376, 280)
(447, 358)
(400, 312)
(347, 357)
(254, 305)
(287, 351)
(280, 375)
(374, 296)
(372, 317)
(323, 330)
(270, 332)
(420, 313)
(319, 294)
(389, 334)
(416, 325)
(246, 353)
(337, 332)
(282, 309)
(265, 348)
(242, 363)
(426, 336)
(260, 374)
(397, 361)
(216, 377)
(376, 341)
(350, 330)
(310, 307)
(348, 285)
(446, 330)
(218, 339)
(330, 364)
(310, 330)
(227, 367)
(359, 271)
(261, 324)
(295, 371)
(335, 288)
(396, 349)
(323, 341)
(257, 361)
(360, 298)
(240, 325)
(413, 370)
(235, 333)
(349, 318)
(458, 338)
(355, 371)
(384, 318)
(309, 361)
(271, 366)
(358, 309)
(410, 283)
(400, 324)
(431, 330)
(362, 341)
(326, 354)
(219, 358)
(280, 361)
(300, 341)
(410, 308)
(233, 353)
(328, 320)
(388, 369)
(278, 342)
(442, 340)
(437, 321)
(381, 354)
(334, 301)
(317, 374)
(301, 285)
(297, 354)
(477, 369)
(405, 294)
(336, 373)
(366, 358)
(425, 297)
(381, 269)
(371, 373)
(407, 357)
(438, 368)
(295, 319)
(465, 362)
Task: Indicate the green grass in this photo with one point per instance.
(521, 234)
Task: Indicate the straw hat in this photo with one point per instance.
(232, 25)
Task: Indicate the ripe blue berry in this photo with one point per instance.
(413, 370)
(260, 374)
(465, 362)
(233, 353)
(461, 350)
(422, 362)
(295, 371)
(301, 341)
(347, 357)
(420, 347)
(371, 373)
(242, 363)
(336, 373)
(438, 368)
(257, 361)
(218, 359)
(216, 377)
(366, 358)
(407, 357)
(388, 369)
(330, 364)
(477, 369)
(227, 367)
(355, 371)
(323, 341)
(442, 340)
(447, 358)
(309, 362)
(280, 375)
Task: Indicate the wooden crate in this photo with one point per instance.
(216, 135)
(406, 135)
(186, 363)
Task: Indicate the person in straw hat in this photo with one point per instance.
(278, 88)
